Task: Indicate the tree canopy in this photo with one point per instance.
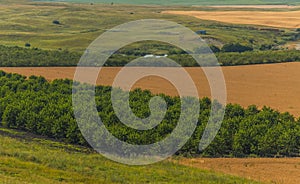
(45, 108)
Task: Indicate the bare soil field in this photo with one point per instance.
(257, 6)
(269, 170)
(285, 19)
(274, 85)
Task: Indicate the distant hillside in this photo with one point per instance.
(189, 2)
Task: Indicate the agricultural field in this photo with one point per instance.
(268, 170)
(289, 19)
(49, 115)
(41, 43)
(274, 85)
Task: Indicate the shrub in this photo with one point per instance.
(55, 22)
(236, 47)
(215, 48)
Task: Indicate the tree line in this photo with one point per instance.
(242, 55)
(45, 108)
(23, 57)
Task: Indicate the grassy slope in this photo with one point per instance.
(28, 159)
(189, 2)
(81, 24)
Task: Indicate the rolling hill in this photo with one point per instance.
(25, 158)
(190, 2)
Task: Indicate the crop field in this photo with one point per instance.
(270, 170)
(256, 42)
(274, 85)
(274, 6)
(288, 19)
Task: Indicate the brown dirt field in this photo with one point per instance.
(269, 170)
(286, 19)
(257, 6)
(274, 85)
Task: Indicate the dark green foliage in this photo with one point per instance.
(215, 49)
(265, 47)
(55, 22)
(236, 47)
(44, 108)
(257, 57)
(17, 56)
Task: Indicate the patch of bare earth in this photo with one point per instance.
(270, 170)
(274, 85)
(256, 6)
(280, 19)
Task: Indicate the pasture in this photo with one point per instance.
(25, 158)
(188, 3)
(24, 22)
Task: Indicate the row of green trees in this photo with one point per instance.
(239, 55)
(45, 108)
(18, 56)
(257, 57)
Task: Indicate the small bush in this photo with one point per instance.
(27, 45)
(236, 47)
(215, 48)
(55, 22)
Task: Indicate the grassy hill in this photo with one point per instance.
(25, 158)
(80, 24)
(190, 2)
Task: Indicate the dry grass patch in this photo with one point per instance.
(270, 170)
(257, 6)
(286, 19)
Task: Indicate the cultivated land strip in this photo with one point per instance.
(274, 85)
(270, 170)
(286, 19)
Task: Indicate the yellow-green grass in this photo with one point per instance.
(31, 22)
(28, 159)
(190, 2)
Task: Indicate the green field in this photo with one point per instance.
(32, 23)
(40, 141)
(189, 2)
(25, 158)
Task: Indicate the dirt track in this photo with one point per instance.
(270, 170)
(275, 85)
(286, 19)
